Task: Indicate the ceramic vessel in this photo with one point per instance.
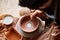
(7, 19)
(28, 25)
(32, 31)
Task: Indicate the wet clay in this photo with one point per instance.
(29, 25)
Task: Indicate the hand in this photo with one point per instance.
(36, 13)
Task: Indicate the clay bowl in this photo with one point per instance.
(7, 19)
(28, 25)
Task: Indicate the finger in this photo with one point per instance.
(32, 10)
(38, 11)
(32, 15)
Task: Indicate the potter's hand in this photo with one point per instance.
(36, 13)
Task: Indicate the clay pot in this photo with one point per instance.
(26, 21)
(30, 28)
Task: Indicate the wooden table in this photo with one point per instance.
(52, 33)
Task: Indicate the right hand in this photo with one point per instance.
(36, 13)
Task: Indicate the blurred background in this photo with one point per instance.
(10, 7)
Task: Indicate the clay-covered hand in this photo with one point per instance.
(36, 13)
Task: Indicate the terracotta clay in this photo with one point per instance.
(29, 25)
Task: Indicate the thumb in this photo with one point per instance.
(32, 15)
(38, 11)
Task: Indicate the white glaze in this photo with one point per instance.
(7, 20)
(29, 25)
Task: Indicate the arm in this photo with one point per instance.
(38, 13)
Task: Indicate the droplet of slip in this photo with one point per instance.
(29, 25)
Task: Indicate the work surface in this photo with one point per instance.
(11, 7)
(52, 33)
